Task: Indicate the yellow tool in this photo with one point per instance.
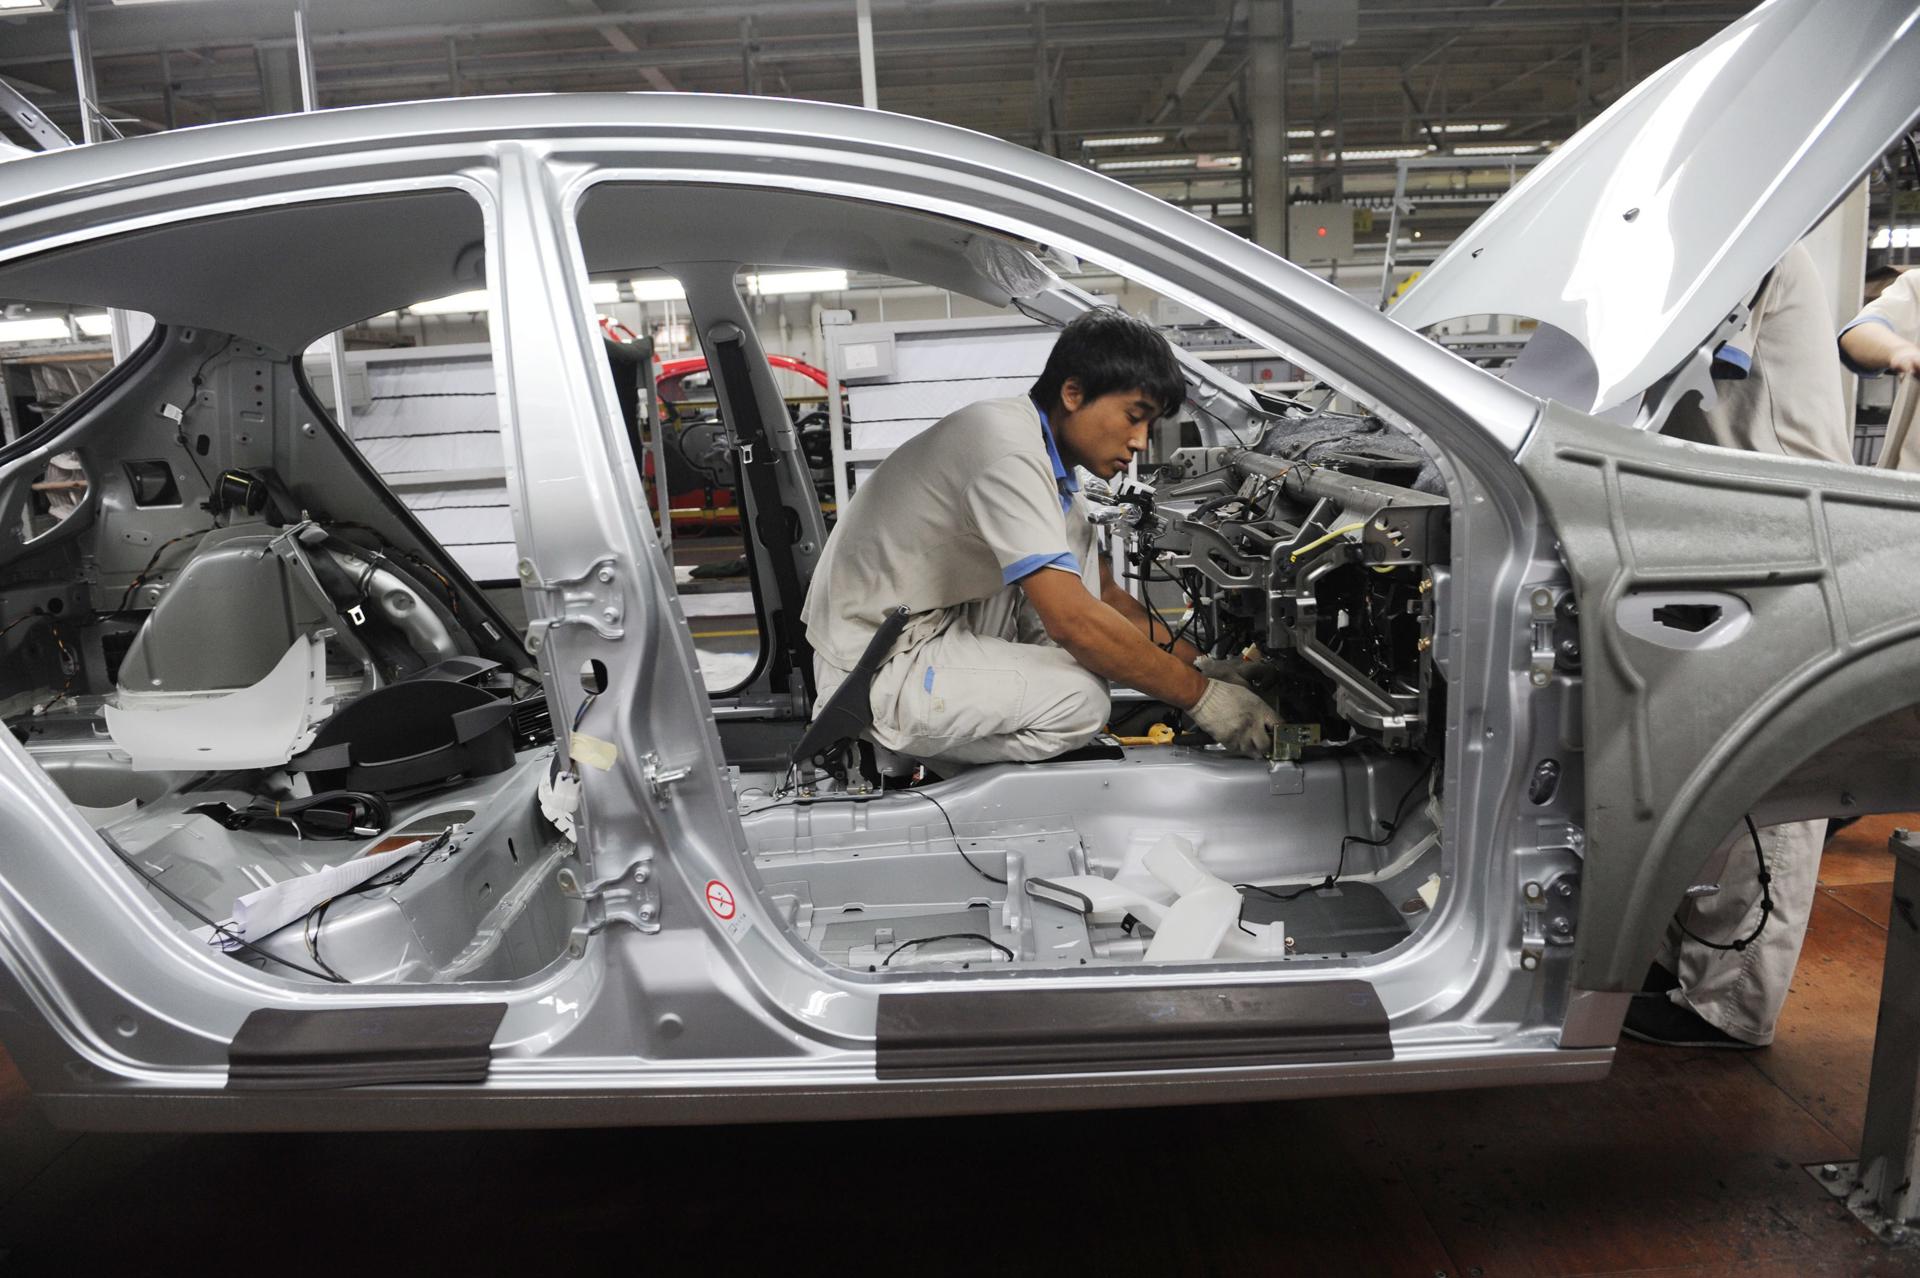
(1158, 734)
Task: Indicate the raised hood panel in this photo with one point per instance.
(1639, 236)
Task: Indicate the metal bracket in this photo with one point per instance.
(1842, 1180)
(1541, 605)
(1562, 913)
(1549, 915)
(591, 599)
(1289, 739)
(629, 897)
(658, 778)
(1405, 534)
(1533, 903)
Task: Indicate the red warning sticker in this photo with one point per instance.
(720, 900)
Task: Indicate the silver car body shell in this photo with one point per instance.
(121, 1021)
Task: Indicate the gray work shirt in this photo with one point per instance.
(957, 514)
(1788, 399)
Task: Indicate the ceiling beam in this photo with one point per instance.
(1177, 86)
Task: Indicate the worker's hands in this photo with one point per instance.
(1236, 717)
(1876, 346)
(1904, 359)
(1253, 675)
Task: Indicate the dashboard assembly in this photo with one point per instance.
(1313, 551)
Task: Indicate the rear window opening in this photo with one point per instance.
(247, 634)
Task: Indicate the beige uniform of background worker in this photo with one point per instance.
(1885, 336)
(1789, 402)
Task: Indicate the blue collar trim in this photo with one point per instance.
(1061, 475)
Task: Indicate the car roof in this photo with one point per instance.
(347, 130)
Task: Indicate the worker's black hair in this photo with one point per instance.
(1884, 272)
(1108, 350)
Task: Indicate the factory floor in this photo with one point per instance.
(1682, 1163)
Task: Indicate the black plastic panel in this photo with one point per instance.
(1348, 918)
(971, 1033)
(361, 1047)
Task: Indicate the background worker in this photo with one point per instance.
(1779, 391)
(1885, 335)
(1016, 625)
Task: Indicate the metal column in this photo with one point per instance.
(93, 129)
(310, 101)
(1042, 85)
(1882, 1189)
(869, 82)
(303, 55)
(83, 70)
(1267, 107)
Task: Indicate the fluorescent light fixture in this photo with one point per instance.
(1498, 148)
(96, 324)
(1216, 161)
(25, 6)
(1485, 126)
(1132, 139)
(1895, 237)
(33, 330)
(469, 303)
(1170, 162)
(1299, 134)
(603, 292)
(781, 283)
(658, 289)
(1385, 153)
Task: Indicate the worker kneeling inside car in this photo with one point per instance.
(1015, 624)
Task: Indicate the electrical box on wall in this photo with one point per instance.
(1325, 25)
(866, 361)
(1319, 232)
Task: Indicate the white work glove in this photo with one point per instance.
(1236, 717)
(1246, 674)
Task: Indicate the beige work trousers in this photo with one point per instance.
(1741, 992)
(986, 686)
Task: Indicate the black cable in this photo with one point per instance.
(870, 798)
(140, 577)
(1766, 903)
(180, 427)
(955, 836)
(378, 399)
(1340, 868)
(67, 657)
(310, 932)
(438, 841)
(219, 929)
(1192, 601)
(65, 653)
(330, 814)
(948, 936)
(317, 916)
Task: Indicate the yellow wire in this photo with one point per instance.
(1318, 542)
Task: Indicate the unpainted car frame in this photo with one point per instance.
(119, 1020)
